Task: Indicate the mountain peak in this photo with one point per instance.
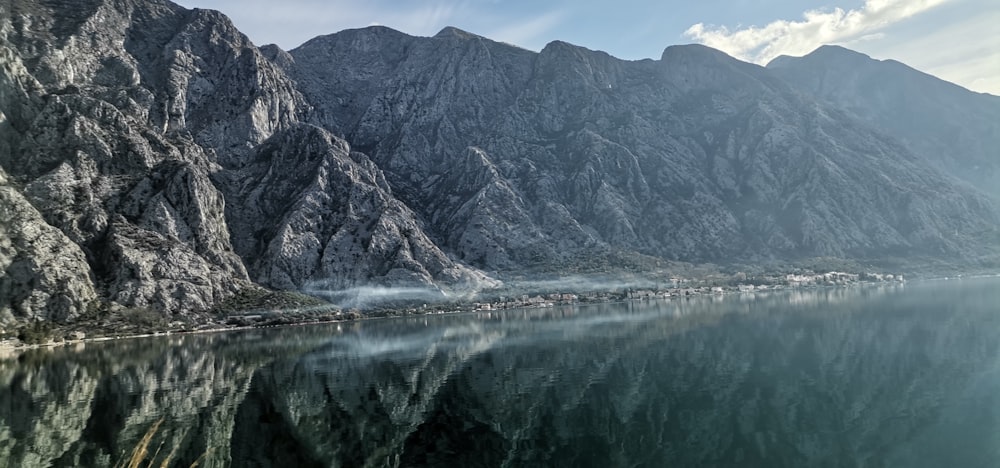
(451, 31)
(366, 38)
(836, 52)
(690, 51)
(829, 49)
(558, 45)
(826, 53)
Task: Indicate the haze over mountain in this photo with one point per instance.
(153, 157)
(950, 126)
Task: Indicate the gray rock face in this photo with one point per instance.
(312, 213)
(43, 275)
(696, 156)
(91, 145)
(168, 247)
(179, 163)
(953, 128)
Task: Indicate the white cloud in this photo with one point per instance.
(818, 27)
(870, 37)
(964, 50)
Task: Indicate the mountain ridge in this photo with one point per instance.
(187, 164)
(962, 136)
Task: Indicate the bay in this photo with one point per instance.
(892, 375)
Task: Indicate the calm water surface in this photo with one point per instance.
(891, 376)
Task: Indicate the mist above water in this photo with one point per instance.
(581, 284)
(371, 296)
(363, 297)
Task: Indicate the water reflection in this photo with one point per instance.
(831, 377)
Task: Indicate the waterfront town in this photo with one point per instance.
(295, 309)
(677, 287)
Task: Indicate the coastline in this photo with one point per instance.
(318, 315)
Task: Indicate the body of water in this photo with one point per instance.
(848, 377)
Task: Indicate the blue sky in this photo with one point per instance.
(957, 40)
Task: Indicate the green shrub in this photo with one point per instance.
(39, 332)
(143, 317)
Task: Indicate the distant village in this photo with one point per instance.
(518, 298)
(684, 287)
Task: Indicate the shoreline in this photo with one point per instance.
(11, 348)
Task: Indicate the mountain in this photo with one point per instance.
(133, 128)
(696, 156)
(954, 128)
(152, 157)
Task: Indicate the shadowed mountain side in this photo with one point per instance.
(953, 128)
(311, 212)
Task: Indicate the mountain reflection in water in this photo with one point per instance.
(869, 376)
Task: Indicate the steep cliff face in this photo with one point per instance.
(312, 213)
(43, 275)
(180, 163)
(92, 144)
(421, 109)
(121, 118)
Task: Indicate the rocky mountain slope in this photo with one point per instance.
(153, 157)
(954, 128)
(695, 156)
(134, 128)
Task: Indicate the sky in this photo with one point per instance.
(956, 40)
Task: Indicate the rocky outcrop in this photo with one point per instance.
(88, 150)
(312, 213)
(43, 275)
(117, 114)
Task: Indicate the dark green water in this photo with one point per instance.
(903, 376)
